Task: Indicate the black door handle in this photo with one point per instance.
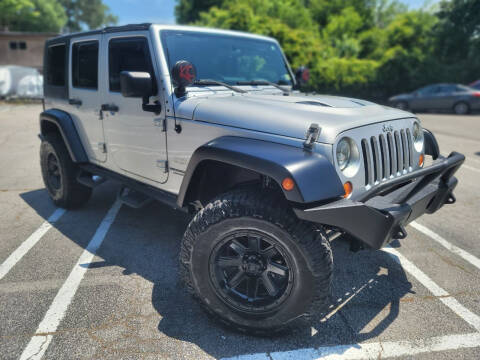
(109, 107)
(75, 102)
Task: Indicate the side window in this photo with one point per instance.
(85, 65)
(128, 54)
(56, 55)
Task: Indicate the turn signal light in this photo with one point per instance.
(288, 184)
(420, 160)
(348, 187)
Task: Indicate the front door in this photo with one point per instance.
(135, 138)
(84, 93)
(424, 98)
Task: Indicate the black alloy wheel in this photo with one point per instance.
(53, 173)
(251, 271)
(59, 174)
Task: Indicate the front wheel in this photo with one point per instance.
(253, 264)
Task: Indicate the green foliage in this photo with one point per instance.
(32, 15)
(188, 11)
(53, 15)
(365, 48)
(457, 35)
(92, 14)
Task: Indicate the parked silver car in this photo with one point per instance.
(458, 98)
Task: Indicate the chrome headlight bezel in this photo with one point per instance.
(347, 156)
(417, 135)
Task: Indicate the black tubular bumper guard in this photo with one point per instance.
(381, 214)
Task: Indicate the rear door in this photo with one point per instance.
(84, 92)
(136, 140)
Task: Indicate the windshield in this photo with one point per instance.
(230, 59)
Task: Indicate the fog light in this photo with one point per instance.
(420, 160)
(288, 184)
(348, 189)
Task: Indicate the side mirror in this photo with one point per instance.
(183, 75)
(136, 84)
(302, 75)
(139, 85)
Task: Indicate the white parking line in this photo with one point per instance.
(375, 350)
(467, 166)
(454, 249)
(15, 257)
(394, 348)
(44, 334)
(470, 168)
(443, 296)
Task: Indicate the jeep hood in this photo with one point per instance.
(288, 116)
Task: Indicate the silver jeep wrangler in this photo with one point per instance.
(211, 123)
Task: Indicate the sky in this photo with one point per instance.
(161, 11)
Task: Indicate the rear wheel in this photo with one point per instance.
(59, 174)
(461, 108)
(252, 264)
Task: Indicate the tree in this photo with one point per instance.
(32, 15)
(457, 36)
(188, 11)
(365, 48)
(92, 14)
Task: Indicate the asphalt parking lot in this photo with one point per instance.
(101, 282)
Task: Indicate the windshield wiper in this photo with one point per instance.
(215, 82)
(264, 82)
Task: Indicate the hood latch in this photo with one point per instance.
(311, 136)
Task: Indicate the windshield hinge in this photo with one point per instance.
(161, 123)
(163, 164)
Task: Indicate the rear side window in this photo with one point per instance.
(128, 54)
(56, 59)
(85, 65)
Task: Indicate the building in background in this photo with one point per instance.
(23, 48)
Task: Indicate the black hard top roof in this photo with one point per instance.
(108, 29)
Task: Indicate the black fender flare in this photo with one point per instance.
(66, 127)
(315, 177)
(431, 144)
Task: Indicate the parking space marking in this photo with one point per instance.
(20, 252)
(375, 350)
(454, 249)
(465, 165)
(43, 336)
(443, 296)
(470, 168)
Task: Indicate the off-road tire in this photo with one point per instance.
(306, 243)
(69, 193)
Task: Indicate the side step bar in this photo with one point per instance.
(133, 198)
(150, 191)
(87, 179)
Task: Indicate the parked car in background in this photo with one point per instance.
(475, 84)
(458, 98)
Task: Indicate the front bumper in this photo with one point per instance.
(381, 214)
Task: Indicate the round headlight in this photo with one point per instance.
(344, 152)
(417, 136)
(348, 156)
